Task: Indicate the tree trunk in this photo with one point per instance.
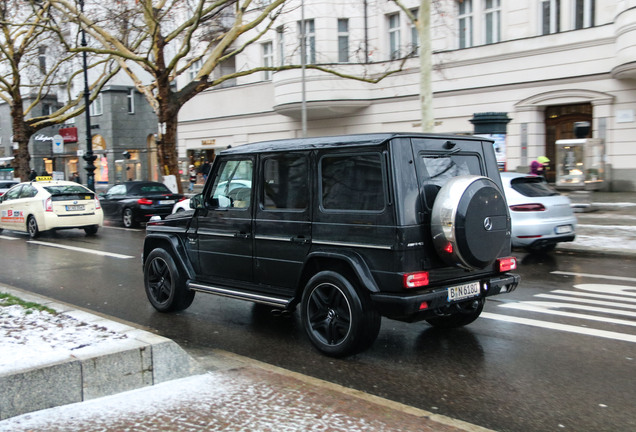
(21, 135)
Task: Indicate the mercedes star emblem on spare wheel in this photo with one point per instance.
(487, 224)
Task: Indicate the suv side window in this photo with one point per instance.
(232, 186)
(285, 182)
(352, 182)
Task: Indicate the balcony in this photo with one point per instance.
(625, 59)
(326, 95)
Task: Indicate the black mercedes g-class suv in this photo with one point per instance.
(349, 228)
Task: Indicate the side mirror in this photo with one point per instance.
(196, 202)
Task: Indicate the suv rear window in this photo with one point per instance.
(352, 182)
(532, 187)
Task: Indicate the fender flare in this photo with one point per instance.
(354, 260)
(176, 247)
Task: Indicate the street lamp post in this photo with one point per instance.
(89, 157)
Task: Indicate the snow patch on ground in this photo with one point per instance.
(31, 338)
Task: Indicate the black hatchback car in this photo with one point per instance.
(348, 229)
(137, 201)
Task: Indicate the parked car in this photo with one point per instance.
(5, 185)
(36, 207)
(349, 229)
(137, 201)
(541, 216)
(184, 204)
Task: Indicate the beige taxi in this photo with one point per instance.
(39, 206)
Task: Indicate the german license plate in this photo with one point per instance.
(461, 292)
(162, 202)
(75, 207)
(563, 229)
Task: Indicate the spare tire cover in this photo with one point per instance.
(470, 222)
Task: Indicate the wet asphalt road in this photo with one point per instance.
(517, 368)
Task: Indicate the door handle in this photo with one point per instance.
(301, 240)
(242, 235)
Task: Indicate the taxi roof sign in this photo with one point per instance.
(43, 178)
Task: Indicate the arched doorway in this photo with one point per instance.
(559, 124)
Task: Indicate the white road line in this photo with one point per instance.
(83, 250)
(123, 228)
(561, 327)
(596, 276)
(614, 304)
(7, 238)
(592, 295)
(549, 308)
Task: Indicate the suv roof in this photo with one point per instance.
(288, 144)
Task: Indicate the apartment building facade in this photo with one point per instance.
(543, 65)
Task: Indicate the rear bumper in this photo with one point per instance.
(52, 221)
(408, 307)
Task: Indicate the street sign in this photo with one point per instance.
(58, 144)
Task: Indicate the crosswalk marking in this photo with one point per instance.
(606, 303)
(562, 327)
(596, 276)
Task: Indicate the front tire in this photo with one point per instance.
(339, 319)
(164, 285)
(32, 227)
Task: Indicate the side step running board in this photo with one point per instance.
(253, 297)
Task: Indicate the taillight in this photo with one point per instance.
(98, 205)
(48, 205)
(527, 207)
(507, 264)
(182, 199)
(415, 280)
(144, 201)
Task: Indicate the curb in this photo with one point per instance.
(142, 359)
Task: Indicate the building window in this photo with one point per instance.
(584, 14)
(42, 59)
(492, 17)
(194, 69)
(96, 107)
(131, 101)
(343, 40)
(550, 16)
(310, 40)
(394, 36)
(415, 37)
(268, 59)
(465, 23)
(280, 40)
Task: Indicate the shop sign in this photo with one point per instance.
(69, 134)
(208, 142)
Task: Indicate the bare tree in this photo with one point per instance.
(164, 38)
(422, 23)
(35, 67)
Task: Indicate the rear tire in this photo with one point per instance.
(464, 315)
(339, 318)
(32, 227)
(91, 230)
(164, 285)
(128, 218)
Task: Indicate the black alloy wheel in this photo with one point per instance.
(164, 285)
(339, 319)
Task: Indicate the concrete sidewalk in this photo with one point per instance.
(228, 392)
(223, 392)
